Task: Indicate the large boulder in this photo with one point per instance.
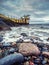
(11, 59)
(28, 49)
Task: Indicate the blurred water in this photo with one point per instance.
(31, 30)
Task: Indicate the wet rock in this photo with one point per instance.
(40, 45)
(5, 53)
(37, 61)
(44, 61)
(1, 46)
(19, 41)
(31, 63)
(26, 63)
(44, 49)
(27, 41)
(48, 39)
(14, 44)
(1, 38)
(6, 45)
(12, 50)
(32, 40)
(0, 53)
(46, 54)
(27, 58)
(28, 49)
(34, 57)
(24, 34)
(12, 58)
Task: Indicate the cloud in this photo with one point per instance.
(38, 9)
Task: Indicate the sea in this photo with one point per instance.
(39, 30)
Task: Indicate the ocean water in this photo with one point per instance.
(40, 31)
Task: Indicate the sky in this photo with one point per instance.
(37, 9)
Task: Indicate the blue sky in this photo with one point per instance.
(37, 9)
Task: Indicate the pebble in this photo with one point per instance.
(37, 61)
(6, 45)
(46, 54)
(12, 50)
(26, 63)
(1, 38)
(24, 34)
(19, 41)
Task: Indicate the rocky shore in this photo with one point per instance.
(27, 50)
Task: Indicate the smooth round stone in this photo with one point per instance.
(14, 44)
(5, 53)
(48, 39)
(27, 58)
(44, 61)
(37, 61)
(41, 57)
(31, 63)
(0, 53)
(1, 38)
(32, 40)
(46, 54)
(28, 49)
(12, 50)
(1, 46)
(27, 40)
(26, 63)
(6, 44)
(24, 34)
(19, 41)
(11, 59)
(45, 49)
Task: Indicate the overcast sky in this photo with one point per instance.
(37, 9)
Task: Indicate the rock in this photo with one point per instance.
(28, 49)
(4, 28)
(6, 45)
(44, 49)
(5, 52)
(1, 38)
(12, 58)
(26, 63)
(46, 54)
(27, 58)
(48, 39)
(44, 61)
(24, 34)
(34, 57)
(0, 53)
(19, 41)
(37, 61)
(32, 40)
(14, 44)
(12, 50)
(31, 63)
(27, 41)
(1, 46)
